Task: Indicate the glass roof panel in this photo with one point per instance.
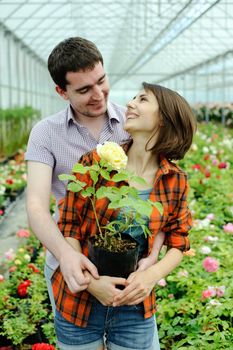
(139, 39)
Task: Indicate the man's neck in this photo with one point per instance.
(94, 124)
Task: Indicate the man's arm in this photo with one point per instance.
(72, 263)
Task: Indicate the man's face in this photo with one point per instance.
(87, 91)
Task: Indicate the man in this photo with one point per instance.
(57, 142)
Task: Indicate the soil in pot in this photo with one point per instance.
(120, 261)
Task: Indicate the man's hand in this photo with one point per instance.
(73, 264)
(105, 288)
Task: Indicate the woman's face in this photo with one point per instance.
(142, 114)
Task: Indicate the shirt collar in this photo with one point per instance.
(112, 114)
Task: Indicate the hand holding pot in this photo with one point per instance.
(73, 264)
(138, 286)
(105, 288)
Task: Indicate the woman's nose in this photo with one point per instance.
(130, 104)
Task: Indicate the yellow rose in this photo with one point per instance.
(27, 257)
(18, 262)
(113, 154)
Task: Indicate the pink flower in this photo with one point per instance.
(220, 291)
(22, 233)
(13, 268)
(9, 255)
(208, 293)
(210, 217)
(210, 264)
(228, 227)
(162, 283)
(2, 278)
(1, 212)
(215, 162)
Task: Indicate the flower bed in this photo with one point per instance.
(194, 303)
(25, 312)
(12, 181)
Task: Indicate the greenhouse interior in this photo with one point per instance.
(172, 180)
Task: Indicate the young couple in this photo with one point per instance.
(90, 308)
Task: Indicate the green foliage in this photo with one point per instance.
(186, 319)
(15, 126)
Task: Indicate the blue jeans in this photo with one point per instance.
(124, 328)
(61, 325)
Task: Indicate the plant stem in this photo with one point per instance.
(96, 218)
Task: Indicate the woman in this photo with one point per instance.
(162, 125)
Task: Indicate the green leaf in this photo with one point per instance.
(79, 168)
(104, 174)
(94, 176)
(158, 205)
(88, 192)
(139, 180)
(75, 187)
(120, 177)
(65, 177)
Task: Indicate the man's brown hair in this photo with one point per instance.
(178, 123)
(72, 55)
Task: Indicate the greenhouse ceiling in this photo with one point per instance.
(140, 40)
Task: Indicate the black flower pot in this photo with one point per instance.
(110, 263)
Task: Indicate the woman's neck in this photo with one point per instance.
(143, 163)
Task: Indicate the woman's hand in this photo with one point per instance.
(144, 263)
(138, 286)
(105, 288)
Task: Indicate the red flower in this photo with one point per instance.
(196, 166)
(9, 181)
(207, 173)
(34, 268)
(206, 157)
(1, 212)
(22, 288)
(222, 165)
(42, 346)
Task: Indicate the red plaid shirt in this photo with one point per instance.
(77, 221)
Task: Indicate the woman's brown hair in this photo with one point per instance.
(178, 123)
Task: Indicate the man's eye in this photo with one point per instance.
(82, 91)
(101, 81)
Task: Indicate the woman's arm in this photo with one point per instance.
(151, 259)
(141, 283)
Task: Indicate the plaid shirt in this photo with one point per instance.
(77, 221)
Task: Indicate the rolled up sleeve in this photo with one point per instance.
(180, 222)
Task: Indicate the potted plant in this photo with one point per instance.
(111, 250)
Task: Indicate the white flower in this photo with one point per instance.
(194, 147)
(113, 154)
(213, 302)
(182, 273)
(205, 149)
(205, 250)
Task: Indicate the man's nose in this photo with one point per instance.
(97, 93)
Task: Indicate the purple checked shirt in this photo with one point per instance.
(59, 141)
